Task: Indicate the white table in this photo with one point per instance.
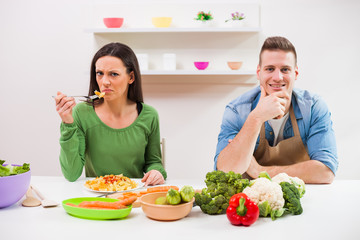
(330, 212)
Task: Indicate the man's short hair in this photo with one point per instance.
(278, 43)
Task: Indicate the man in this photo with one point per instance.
(295, 128)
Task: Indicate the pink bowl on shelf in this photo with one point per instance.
(113, 22)
(201, 65)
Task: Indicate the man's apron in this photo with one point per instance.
(286, 152)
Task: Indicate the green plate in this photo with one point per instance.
(95, 213)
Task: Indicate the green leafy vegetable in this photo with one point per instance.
(9, 170)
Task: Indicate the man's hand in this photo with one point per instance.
(254, 168)
(311, 171)
(271, 106)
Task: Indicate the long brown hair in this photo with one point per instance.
(128, 57)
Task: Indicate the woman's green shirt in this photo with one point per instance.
(131, 151)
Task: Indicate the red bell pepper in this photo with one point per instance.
(241, 210)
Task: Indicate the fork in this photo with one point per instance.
(124, 191)
(92, 97)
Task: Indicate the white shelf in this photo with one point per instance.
(199, 72)
(191, 75)
(173, 30)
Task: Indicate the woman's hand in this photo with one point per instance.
(153, 177)
(64, 106)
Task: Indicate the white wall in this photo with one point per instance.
(43, 48)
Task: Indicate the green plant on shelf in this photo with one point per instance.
(202, 16)
(236, 16)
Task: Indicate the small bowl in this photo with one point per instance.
(161, 22)
(201, 65)
(234, 65)
(13, 188)
(164, 212)
(113, 22)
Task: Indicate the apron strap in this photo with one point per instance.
(262, 131)
(294, 122)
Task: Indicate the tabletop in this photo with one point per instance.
(325, 216)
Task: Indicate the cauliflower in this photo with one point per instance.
(297, 182)
(264, 190)
(267, 195)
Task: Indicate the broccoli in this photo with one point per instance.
(233, 177)
(212, 206)
(297, 182)
(220, 187)
(292, 198)
(215, 177)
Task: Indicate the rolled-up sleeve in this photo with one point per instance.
(321, 142)
(230, 126)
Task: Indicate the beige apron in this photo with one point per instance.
(286, 152)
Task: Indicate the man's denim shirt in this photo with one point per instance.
(313, 119)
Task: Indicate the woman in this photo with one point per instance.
(117, 134)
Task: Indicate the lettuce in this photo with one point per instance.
(9, 170)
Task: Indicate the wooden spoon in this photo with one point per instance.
(30, 200)
(45, 202)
